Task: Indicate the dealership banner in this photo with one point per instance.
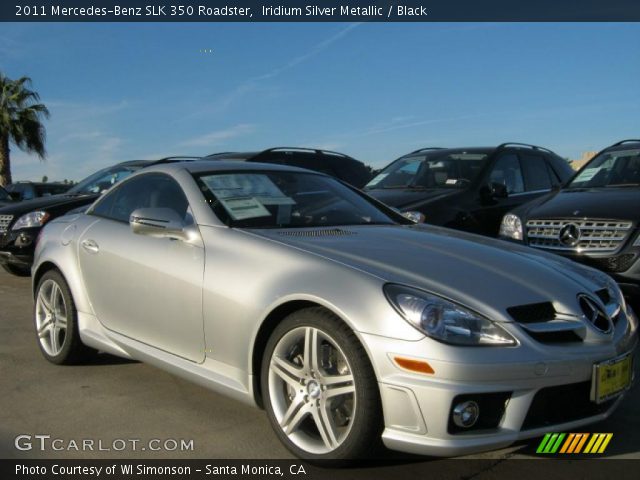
(410, 467)
(319, 11)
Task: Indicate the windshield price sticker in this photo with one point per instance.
(587, 174)
(377, 179)
(243, 208)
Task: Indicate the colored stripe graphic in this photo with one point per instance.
(574, 443)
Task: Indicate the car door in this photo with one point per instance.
(147, 288)
(525, 176)
(489, 209)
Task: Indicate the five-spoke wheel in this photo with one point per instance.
(51, 317)
(319, 388)
(56, 321)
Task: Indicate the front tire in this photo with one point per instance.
(319, 389)
(56, 322)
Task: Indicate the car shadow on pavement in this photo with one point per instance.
(102, 359)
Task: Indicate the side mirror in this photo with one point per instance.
(493, 190)
(158, 222)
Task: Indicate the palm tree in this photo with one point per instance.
(20, 122)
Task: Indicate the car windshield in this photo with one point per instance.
(610, 169)
(3, 194)
(282, 199)
(102, 180)
(51, 189)
(454, 170)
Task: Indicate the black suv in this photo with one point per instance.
(468, 188)
(594, 219)
(338, 165)
(21, 222)
(30, 190)
(5, 198)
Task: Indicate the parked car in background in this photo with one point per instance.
(21, 222)
(468, 188)
(594, 219)
(30, 190)
(5, 198)
(290, 290)
(335, 164)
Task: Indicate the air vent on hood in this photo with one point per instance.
(325, 232)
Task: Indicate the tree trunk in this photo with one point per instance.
(5, 166)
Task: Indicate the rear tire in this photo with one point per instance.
(319, 389)
(56, 322)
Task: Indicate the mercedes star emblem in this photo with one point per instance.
(595, 314)
(569, 235)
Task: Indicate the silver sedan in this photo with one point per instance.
(346, 322)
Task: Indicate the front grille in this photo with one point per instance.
(603, 294)
(5, 221)
(561, 404)
(562, 336)
(594, 235)
(542, 323)
(326, 232)
(533, 312)
(620, 263)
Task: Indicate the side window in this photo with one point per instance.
(27, 193)
(17, 190)
(555, 178)
(536, 173)
(507, 171)
(154, 190)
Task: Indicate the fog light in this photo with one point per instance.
(23, 240)
(466, 414)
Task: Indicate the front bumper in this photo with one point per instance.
(543, 394)
(17, 247)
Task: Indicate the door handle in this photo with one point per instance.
(90, 246)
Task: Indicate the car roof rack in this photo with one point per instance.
(425, 149)
(302, 149)
(621, 142)
(517, 144)
(174, 159)
(218, 154)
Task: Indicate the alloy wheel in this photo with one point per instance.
(312, 390)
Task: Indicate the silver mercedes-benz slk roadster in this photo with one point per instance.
(347, 323)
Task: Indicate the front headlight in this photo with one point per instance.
(445, 321)
(30, 220)
(511, 227)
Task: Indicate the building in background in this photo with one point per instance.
(586, 156)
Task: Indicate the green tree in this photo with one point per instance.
(20, 122)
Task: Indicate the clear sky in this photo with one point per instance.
(374, 91)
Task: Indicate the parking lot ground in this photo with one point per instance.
(117, 399)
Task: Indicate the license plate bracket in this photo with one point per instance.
(611, 378)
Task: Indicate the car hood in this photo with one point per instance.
(400, 198)
(615, 203)
(483, 274)
(51, 201)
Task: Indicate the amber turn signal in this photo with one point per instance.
(419, 366)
